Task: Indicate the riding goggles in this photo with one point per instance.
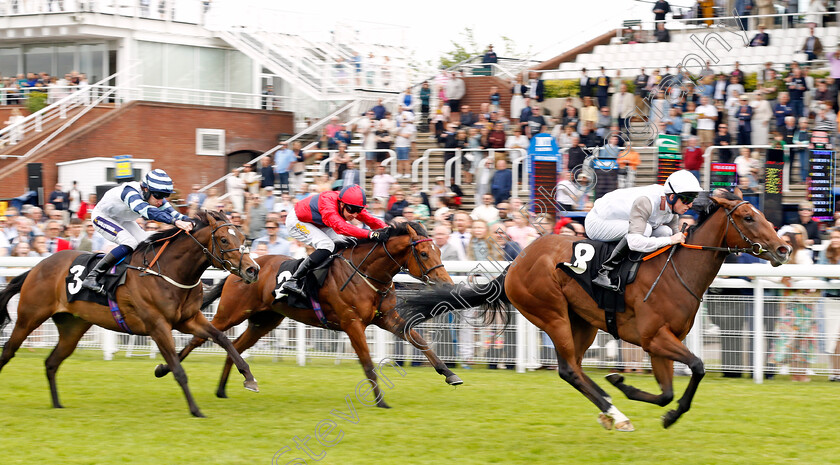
(160, 195)
(353, 208)
(687, 198)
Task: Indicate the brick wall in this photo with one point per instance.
(160, 131)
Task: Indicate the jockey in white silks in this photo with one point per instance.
(643, 218)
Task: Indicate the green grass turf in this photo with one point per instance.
(117, 412)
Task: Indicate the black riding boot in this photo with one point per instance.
(294, 284)
(92, 280)
(603, 278)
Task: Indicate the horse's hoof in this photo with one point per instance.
(614, 378)
(221, 394)
(605, 421)
(252, 386)
(198, 414)
(454, 380)
(161, 371)
(382, 404)
(670, 418)
(625, 426)
(58, 406)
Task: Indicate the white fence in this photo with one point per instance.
(757, 326)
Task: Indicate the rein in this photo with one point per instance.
(225, 264)
(357, 270)
(754, 249)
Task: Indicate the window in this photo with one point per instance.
(210, 142)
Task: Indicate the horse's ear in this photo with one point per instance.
(738, 193)
(411, 232)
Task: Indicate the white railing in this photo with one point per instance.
(81, 97)
(330, 160)
(757, 321)
(213, 98)
(452, 167)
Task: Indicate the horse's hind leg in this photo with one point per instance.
(199, 326)
(559, 329)
(70, 331)
(356, 331)
(583, 334)
(162, 335)
(414, 338)
(258, 326)
(29, 318)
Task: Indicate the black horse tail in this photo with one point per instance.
(12, 289)
(443, 298)
(213, 294)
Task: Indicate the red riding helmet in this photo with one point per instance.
(353, 195)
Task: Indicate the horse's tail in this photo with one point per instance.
(12, 289)
(444, 298)
(214, 293)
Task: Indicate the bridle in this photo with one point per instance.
(754, 248)
(403, 267)
(226, 265)
(425, 276)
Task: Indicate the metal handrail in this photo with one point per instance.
(322, 165)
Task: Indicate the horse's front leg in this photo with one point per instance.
(665, 345)
(355, 329)
(161, 333)
(200, 327)
(389, 323)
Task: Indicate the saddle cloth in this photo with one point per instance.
(80, 267)
(587, 257)
(312, 282)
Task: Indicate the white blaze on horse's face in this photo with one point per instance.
(232, 231)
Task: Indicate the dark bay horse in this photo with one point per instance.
(166, 295)
(557, 304)
(369, 298)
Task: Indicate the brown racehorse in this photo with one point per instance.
(369, 298)
(557, 304)
(166, 296)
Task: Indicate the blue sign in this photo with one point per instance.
(543, 148)
(123, 170)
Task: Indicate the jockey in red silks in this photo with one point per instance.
(319, 219)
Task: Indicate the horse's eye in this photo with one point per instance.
(748, 219)
(224, 240)
(424, 255)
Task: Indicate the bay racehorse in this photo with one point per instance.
(553, 301)
(366, 268)
(159, 294)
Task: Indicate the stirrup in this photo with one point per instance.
(603, 280)
(94, 286)
(293, 286)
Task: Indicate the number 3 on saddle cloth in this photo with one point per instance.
(112, 279)
(312, 284)
(583, 265)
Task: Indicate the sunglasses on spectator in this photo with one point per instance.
(160, 195)
(805, 210)
(271, 227)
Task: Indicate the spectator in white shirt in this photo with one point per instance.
(382, 183)
(486, 212)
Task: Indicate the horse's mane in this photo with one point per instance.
(200, 221)
(397, 229)
(705, 206)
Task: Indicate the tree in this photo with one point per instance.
(461, 52)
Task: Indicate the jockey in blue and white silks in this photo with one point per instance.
(115, 214)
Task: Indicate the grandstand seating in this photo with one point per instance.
(629, 58)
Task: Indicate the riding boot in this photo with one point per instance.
(618, 254)
(92, 279)
(294, 284)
